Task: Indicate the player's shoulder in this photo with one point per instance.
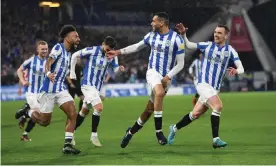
(57, 49)
(91, 50)
(178, 37)
(230, 47)
(205, 43)
(31, 58)
(151, 33)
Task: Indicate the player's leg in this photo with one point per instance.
(66, 103)
(33, 104)
(98, 108)
(22, 119)
(143, 118)
(215, 103)
(81, 97)
(159, 94)
(195, 98)
(92, 100)
(25, 108)
(79, 94)
(198, 110)
(80, 118)
(39, 113)
(28, 129)
(84, 110)
(138, 124)
(42, 114)
(154, 80)
(81, 115)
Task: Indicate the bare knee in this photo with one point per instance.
(218, 107)
(45, 123)
(99, 107)
(72, 115)
(85, 110)
(196, 115)
(159, 93)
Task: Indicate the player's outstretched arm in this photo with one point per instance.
(190, 45)
(182, 30)
(74, 60)
(127, 50)
(133, 48)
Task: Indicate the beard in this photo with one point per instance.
(156, 29)
(74, 47)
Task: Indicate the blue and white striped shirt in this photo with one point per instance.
(60, 67)
(164, 49)
(36, 73)
(215, 60)
(96, 66)
(194, 69)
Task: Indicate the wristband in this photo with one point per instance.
(48, 73)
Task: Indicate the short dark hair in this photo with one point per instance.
(164, 16)
(110, 41)
(227, 30)
(65, 30)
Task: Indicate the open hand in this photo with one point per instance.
(232, 71)
(52, 77)
(181, 28)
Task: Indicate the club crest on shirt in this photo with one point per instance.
(226, 53)
(168, 43)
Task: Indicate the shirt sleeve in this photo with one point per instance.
(234, 55)
(56, 51)
(146, 38)
(27, 63)
(114, 63)
(180, 46)
(202, 46)
(191, 67)
(87, 51)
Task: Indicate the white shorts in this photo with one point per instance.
(205, 91)
(91, 96)
(32, 100)
(154, 78)
(47, 101)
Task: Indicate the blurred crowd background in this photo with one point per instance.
(25, 22)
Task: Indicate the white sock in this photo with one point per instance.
(174, 128)
(25, 133)
(96, 113)
(158, 114)
(215, 139)
(94, 134)
(69, 135)
(191, 116)
(216, 113)
(30, 113)
(82, 114)
(140, 122)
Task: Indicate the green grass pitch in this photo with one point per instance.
(248, 124)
